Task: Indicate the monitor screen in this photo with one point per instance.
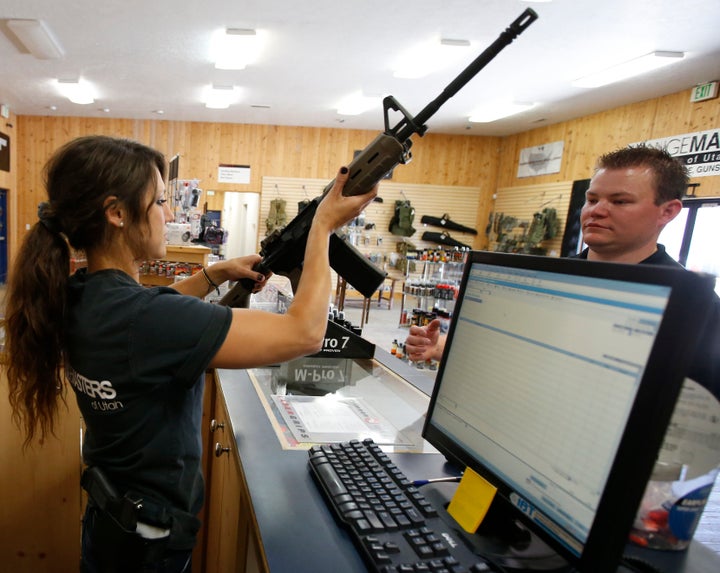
(556, 385)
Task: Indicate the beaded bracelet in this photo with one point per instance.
(211, 284)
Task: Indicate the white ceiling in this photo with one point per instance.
(146, 55)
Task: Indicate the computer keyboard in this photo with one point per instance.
(395, 527)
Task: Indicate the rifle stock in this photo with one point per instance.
(354, 267)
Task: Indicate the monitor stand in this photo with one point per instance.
(500, 539)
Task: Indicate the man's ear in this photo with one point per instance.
(114, 213)
(669, 210)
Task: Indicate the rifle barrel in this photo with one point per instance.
(505, 38)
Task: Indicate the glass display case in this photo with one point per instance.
(325, 400)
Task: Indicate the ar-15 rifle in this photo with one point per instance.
(283, 251)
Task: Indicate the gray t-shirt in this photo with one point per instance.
(136, 361)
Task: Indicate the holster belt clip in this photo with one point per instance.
(124, 510)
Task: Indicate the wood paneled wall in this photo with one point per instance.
(41, 502)
(589, 137)
(274, 151)
(487, 163)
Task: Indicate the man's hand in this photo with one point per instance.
(425, 342)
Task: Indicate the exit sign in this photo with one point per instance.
(704, 91)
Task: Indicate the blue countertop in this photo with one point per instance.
(297, 529)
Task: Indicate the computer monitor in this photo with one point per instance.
(557, 383)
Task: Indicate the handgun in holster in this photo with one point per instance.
(122, 509)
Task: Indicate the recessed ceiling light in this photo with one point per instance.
(423, 59)
(220, 97)
(77, 91)
(357, 103)
(236, 48)
(159, 111)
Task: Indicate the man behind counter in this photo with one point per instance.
(633, 194)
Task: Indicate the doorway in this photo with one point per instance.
(240, 219)
(692, 237)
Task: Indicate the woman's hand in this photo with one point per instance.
(204, 282)
(240, 268)
(336, 209)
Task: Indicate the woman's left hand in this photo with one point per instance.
(242, 268)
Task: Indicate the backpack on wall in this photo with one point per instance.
(545, 225)
(277, 217)
(402, 220)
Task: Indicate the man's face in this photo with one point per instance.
(620, 214)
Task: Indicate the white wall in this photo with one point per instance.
(240, 219)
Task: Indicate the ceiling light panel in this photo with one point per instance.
(429, 57)
(493, 111)
(36, 38)
(629, 69)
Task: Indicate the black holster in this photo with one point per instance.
(116, 546)
(123, 509)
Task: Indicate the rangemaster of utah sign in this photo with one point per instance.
(699, 151)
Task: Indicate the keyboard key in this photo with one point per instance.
(330, 479)
(374, 521)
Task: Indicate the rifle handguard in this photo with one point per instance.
(372, 164)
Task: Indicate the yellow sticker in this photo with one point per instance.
(471, 500)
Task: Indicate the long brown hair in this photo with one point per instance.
(80, 176)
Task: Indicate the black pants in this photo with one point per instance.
(107, 548)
